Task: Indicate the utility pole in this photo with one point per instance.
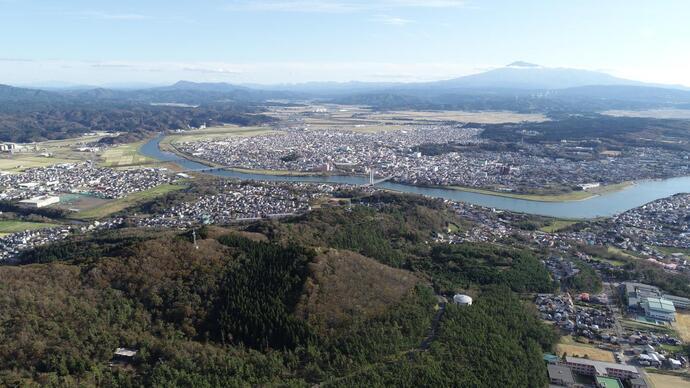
(196, 246)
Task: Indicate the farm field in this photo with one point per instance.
(363, 126)
(363, 119)
(7, 227)
(117, 205)
(651, 113)
(124, 155)
(214, 133)
(483, 117)
(21, 162)
(80, 202)
(572, 348)
(659, 380)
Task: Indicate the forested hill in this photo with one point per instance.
(37, 121)
(339, 297)
(29, 115)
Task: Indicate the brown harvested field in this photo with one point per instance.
(572, 348)
(217, 133)
(652, 113)
(667, 381)
(344, 285)
(80, 202)
(682, 326)
(484, 117)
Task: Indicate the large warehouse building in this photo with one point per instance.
(42, 201)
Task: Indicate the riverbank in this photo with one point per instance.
(564, 197)
(608, 201)
(170, 147)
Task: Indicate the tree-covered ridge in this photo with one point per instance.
(497, 342)
(26, 122)
(235, 310)
(258, 295)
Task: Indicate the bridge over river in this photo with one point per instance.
(600, 206)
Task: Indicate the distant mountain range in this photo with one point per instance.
(518, 86)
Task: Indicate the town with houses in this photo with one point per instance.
(627, 325)
(408, 156)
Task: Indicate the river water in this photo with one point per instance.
(600, 206)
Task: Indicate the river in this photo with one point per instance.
(604, 205)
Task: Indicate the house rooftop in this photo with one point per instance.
(660, 304)
(601, 366)
(561, 372)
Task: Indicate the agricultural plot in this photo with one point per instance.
(652, 113)
(124, 155)
(80, 202)
(667, 381)
(12, 226)
(114, 206)
(484, 117)
(576, 349)
(682, 326)
(21, 162)
(215, 133)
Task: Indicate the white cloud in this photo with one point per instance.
(211, 70)
(29, 70)
(102, 72)
(109, 15)
(392, 20)
(337, 6)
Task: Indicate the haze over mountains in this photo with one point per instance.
(494, 88)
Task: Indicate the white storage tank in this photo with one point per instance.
(462, 300)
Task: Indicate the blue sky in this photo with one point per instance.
(272, 41)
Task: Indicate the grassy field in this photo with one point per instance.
(117, 205)
(7, 227)
(557, 225)
(570, 196)
(620, 252)
(669, 251)
(572, 348)
(124, 155)
(615, 263)
(214, 133)
(667, 381)
(21, 162)
(682, 326)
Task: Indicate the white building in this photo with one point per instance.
(7, 147)
(462, 300)
(600, 368)
(659, 308)
(42, 201)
